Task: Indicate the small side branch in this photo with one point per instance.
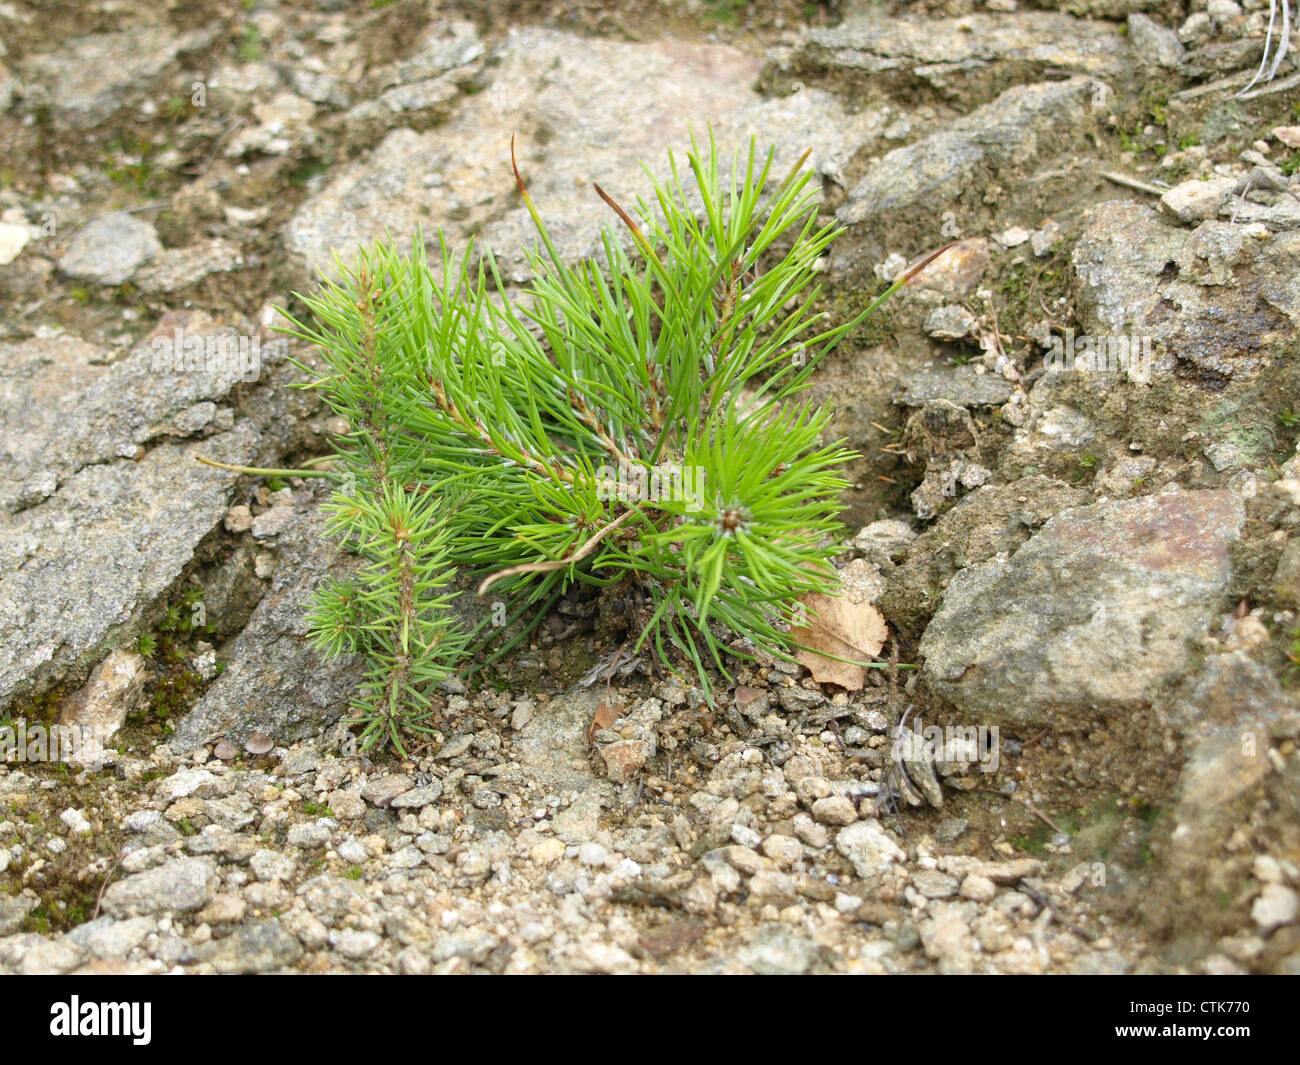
(549, 567)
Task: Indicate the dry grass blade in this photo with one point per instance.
(547, 567)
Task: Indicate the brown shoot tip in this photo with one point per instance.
(911, 274)
(627, 219)
(523, 191)
(794, 170)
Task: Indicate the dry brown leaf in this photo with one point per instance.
(839, 626)
(604, 716)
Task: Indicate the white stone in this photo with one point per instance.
(868, 847)
(1195, 201)
(1277, 905)
(12, 241)
(186, 782)
(76, 821)
(1013, 237)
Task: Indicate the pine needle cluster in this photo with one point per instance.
(635, 420)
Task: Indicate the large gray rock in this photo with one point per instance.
(995, 519)
(51, 958)
(971, 58)
(567, 99)
(1156, 45)
(63, 597)
(275, 680)
(552, 747)
(1218, 302)
(62, 411)
(180, 268)
(1225, 715)
(1006, 135)
(446, 47)
(102, 501)
(1233, 715)
(1095, 613)
(113, 940)
(91, 77)
(416, 92)
(962, 386)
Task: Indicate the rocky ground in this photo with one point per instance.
(1102, 565)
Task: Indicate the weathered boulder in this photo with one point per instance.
(1095, 613)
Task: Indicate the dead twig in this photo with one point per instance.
(1047, 904)
(1038, 813)
(1133, 183)
(104, 886)
(1034, 738)
(216, 145)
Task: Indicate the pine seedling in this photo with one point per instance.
(635, 422)
(394, 612)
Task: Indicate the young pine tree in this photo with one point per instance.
(633, 421)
